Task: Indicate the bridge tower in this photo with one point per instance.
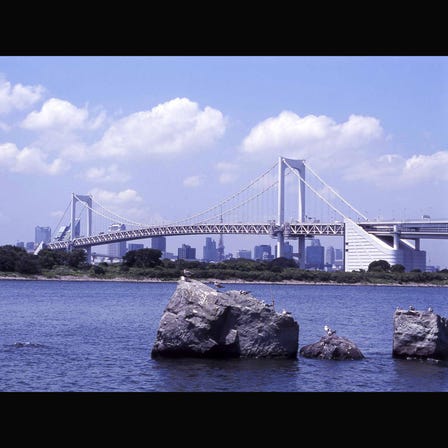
(87, 199)
(299, 166)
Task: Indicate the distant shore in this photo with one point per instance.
(86, 278)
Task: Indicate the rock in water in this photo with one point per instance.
(202, 322)
(332, 347)
(420, 334)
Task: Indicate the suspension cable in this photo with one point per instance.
(229, 198)
(242, 203)
(121, 218)
(313, 190)
(335, 192)
(63, 216)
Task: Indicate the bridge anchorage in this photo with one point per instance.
(260, 209)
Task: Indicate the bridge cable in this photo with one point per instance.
(63, 216)
(335, 192)
(314, 191)
(227, 199)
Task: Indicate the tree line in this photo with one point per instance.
(147, 264)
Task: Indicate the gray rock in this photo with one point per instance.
(202, 322)
(420, 334)
(332, 347)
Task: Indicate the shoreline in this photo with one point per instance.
(69, 278)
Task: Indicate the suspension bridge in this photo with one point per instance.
(259, 208)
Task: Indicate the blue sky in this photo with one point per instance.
(160, 138)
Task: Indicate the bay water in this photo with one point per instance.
(97, 336)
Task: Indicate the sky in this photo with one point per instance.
(157, 139)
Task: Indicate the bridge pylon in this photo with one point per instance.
(87, 199)
(299, 166)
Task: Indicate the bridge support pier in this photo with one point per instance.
(301, 250)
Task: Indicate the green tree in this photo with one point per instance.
(27, 264)
(49, 258)
(281, 262)
(397, 268)
(9, 256)
(76, 258)
(142, 258)
(379, 266)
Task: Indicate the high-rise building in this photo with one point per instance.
(220, 248)
(263, 252)
(42, 234)
(159, 242)
(210, 252)
(29, 246)
(20, 244)
(288, 250)
(117, 249)
(135, 246)
(243, 253)
(186, 252)
(338, 259)
(330, 255)
(314, 255)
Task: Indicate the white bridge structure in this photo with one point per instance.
(364, 240)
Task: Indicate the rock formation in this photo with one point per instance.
(420, 334)
(332, 346)
(199, 321)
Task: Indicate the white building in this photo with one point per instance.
(361, 248)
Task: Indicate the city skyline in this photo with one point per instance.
(199, 128)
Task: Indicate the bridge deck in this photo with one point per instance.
(406, 230)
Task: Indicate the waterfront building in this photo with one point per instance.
(314, 255)
(159, 243)
(42, 234)
(116, 250)
(243, 253)
(186, 252)
(263, 252)
(135, 246)
(288, 250)
(210, 252)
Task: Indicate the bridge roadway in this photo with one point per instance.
(406, 229)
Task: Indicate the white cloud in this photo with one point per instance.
(56, 114)
(28, 160)
(170, 128)
(228, 172)
(393, 170)
(311, 137)
(106, 197)
(111, 173)
(18, 97)
(192, 181)
(125, 204)
(432, 166)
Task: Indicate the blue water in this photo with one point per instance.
(97, 336)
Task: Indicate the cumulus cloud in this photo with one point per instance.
(56, 114)
(107, 197)
(111, 173)
(311, 137)
(192, 181)
(29, 160)
(427, 166)
(393, 170)
(169, 128)
(18, 96)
